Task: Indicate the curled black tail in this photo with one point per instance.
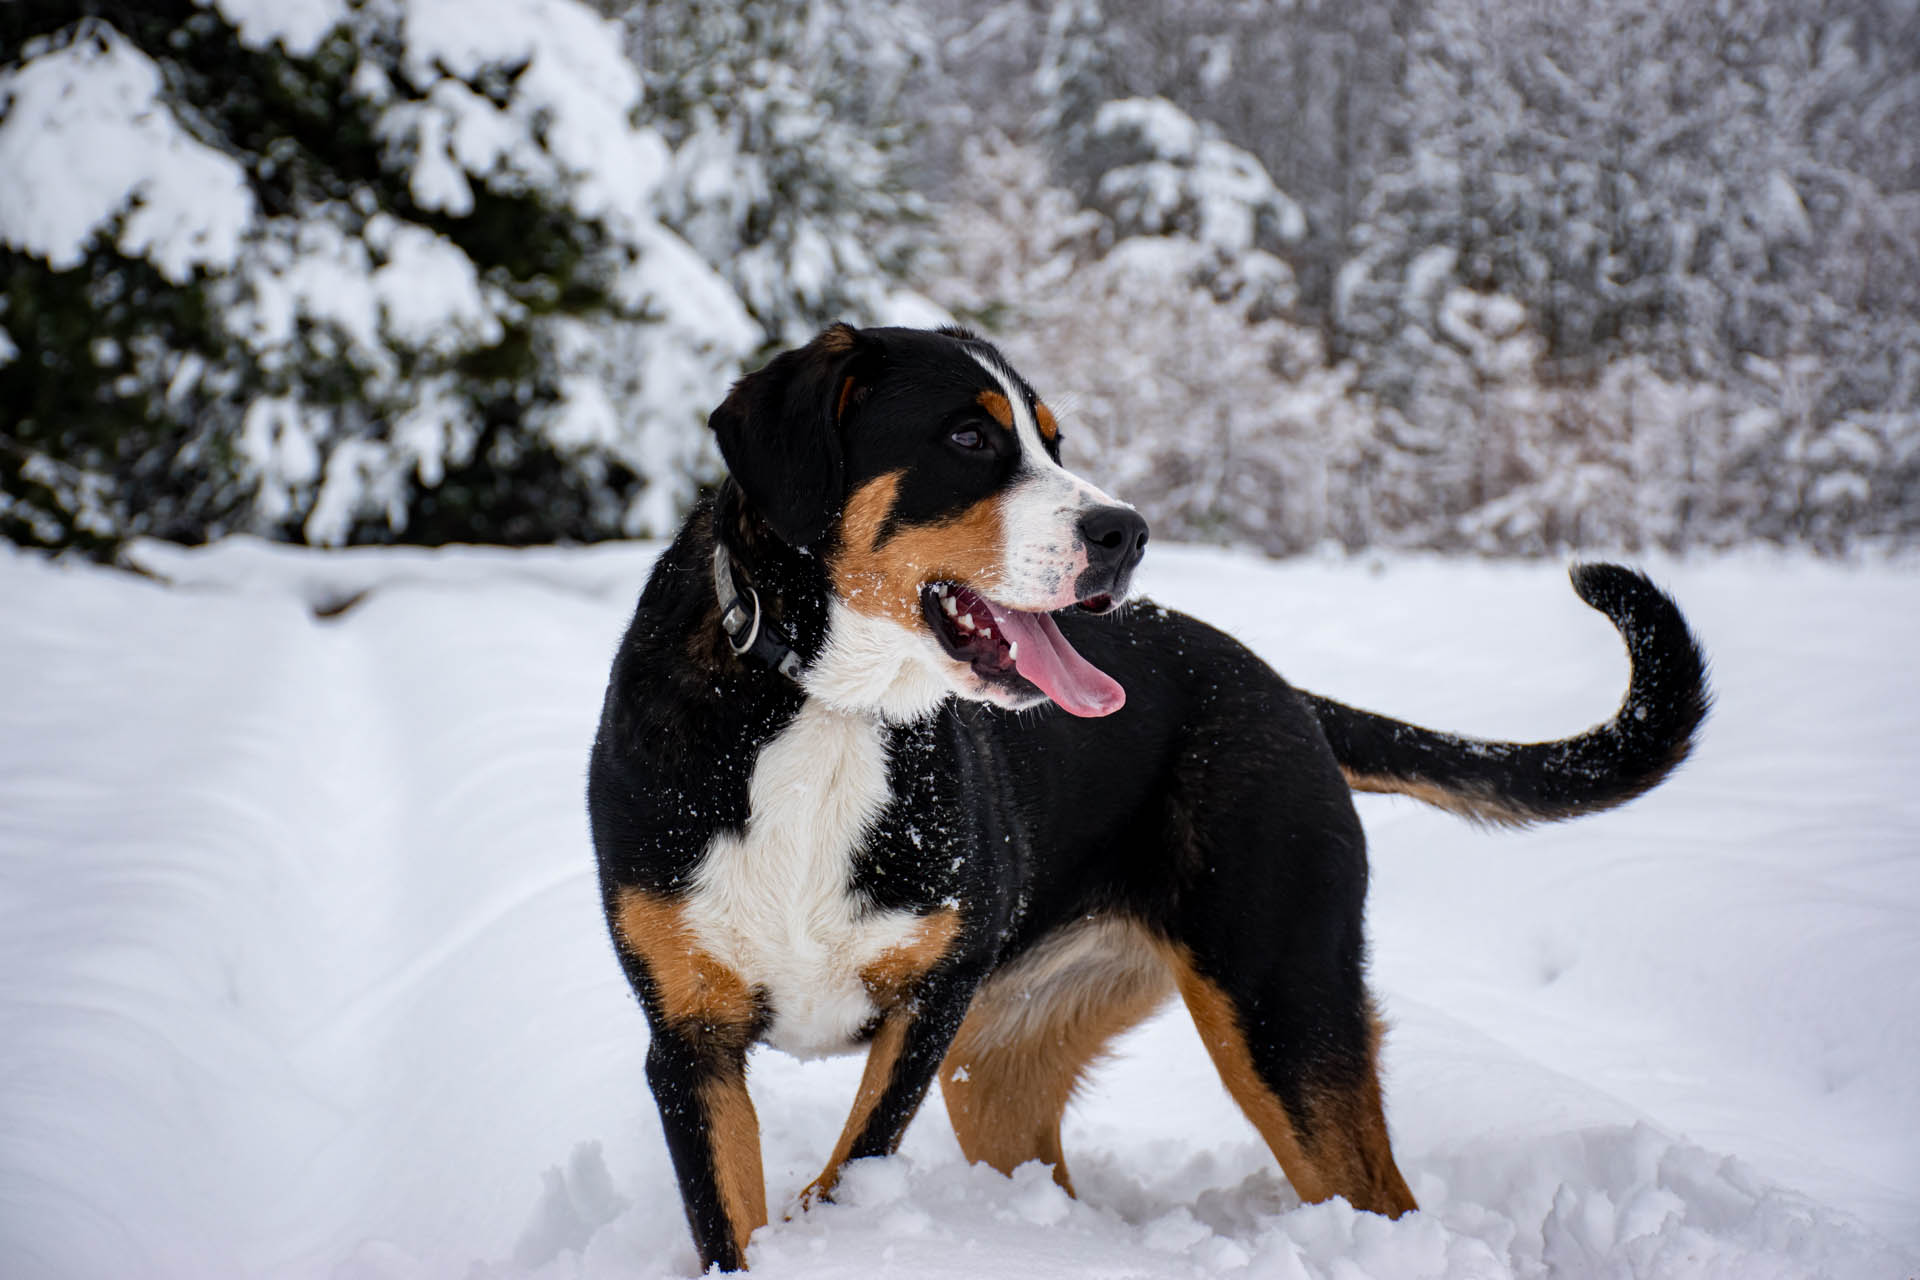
(1513, 783)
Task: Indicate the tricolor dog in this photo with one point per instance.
(889, 760)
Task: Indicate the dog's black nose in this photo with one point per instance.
(1116, 538)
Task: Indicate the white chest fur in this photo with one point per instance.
(775, 902)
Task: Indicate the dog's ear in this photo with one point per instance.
(779, 430)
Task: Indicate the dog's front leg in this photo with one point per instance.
(700, 1084)
(906, 1052)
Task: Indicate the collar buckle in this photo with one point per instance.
(749, 634)
(734, 620)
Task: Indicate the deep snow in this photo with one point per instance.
(302, 971)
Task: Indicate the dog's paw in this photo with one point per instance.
(819, 1191)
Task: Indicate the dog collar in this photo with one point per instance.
(750, 634)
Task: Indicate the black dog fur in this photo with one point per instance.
(1040, 880)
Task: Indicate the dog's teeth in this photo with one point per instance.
(1013, 650)
(966, 621)
(948, 603)
(986, 633)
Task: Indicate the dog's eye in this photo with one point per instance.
(969, 438)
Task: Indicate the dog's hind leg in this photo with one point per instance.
(1322, 1120)
(1033, 1031)
(1266, 939)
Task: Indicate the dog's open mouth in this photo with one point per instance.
(998, 641)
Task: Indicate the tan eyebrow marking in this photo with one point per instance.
(1043, 417)
(996, 405)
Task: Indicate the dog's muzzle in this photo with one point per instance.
(1116, 539)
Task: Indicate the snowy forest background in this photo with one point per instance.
(1511, 276)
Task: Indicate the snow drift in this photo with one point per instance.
(302, 971)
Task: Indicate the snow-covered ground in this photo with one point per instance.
(302, 971)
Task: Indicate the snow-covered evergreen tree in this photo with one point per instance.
(1457, 273)
(1178, 383)
(1713, 195)
(1602, 272)
(788, 150)
(342, 272)
(1153, 170)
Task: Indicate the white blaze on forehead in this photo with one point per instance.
(1033, 447)
(1042, 551)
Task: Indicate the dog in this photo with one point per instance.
(890, 758)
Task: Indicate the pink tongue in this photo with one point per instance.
(1056, 667)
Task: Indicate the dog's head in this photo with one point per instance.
(925, 476)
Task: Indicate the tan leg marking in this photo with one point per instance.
(1349, 1154)
(888, 981)
(689, 984)
(884, 580)
(889, 978)
(881, 1057)
(1359, 1111)
(734, 1133)
(1032, 1033)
